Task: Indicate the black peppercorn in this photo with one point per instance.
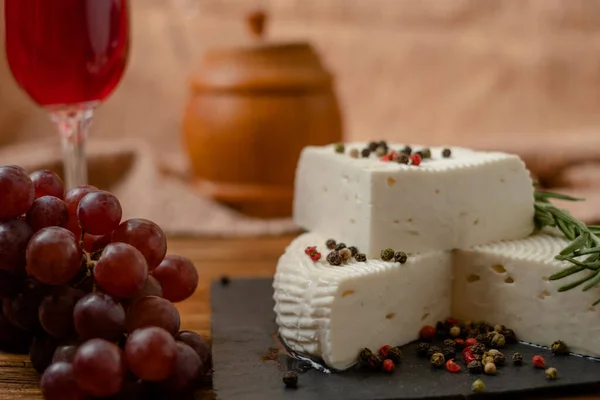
(407, 150)
(290, 379)
(400, 257)
(365, 153)
(426, 153)
(330, 244)
(475, 367)
(449, 352)
(403, 158)
(483, 338)
(472, 333)
(441, 330)
(509, 336)
(387, 254)
(478, 348)
(340, 246)
(360, 257)
(395, 354)
(334, 258)
(446, 153)
(225, 280)
(383, 144)
(449, 343)
(559, 347)
(437, 360)
(339, 148)
(373, 146)
(422, 349)
(432, 350)
(517, 358)
(374, 362)
(478, 357)
(353, 250)
(499, 359)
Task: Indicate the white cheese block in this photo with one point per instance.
(332, 312)
(468, 199)
(507, 283)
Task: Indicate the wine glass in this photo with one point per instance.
(68, 55)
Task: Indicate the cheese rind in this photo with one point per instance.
(468, 199)
(507, 283)
(331, 312)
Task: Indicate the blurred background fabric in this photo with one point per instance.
(515, 75)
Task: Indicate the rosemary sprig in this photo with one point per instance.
(584, 241)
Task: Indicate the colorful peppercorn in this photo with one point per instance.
(340, 246)
(449, 352)
(478, 386)
(330, 243)
(498, 340)
(499, 359)
(475, 367)
(395, 354)
(427, 333)
(551, 373)
(383, 351)
(375, 362)
(310, 249)
(426, 153)
(470, 342)
(460, 343)
(433, 349)
(499, 328)
(360, 257)
(446, 153)
(487, 359)
(422, 349)
(451, 366)
(559, 347)
(365, 153)
(354, 153)
(290, 379)
(373, 146)
(483, 338)
(517, 358)
(478, 348)
(388, 366)
(387, 254)
(469, 357)
(353, 250)
(509, 336)
(346, 254)
(316, 256)
(407, 150)
(334, 258)
(437, 360)
(490, 369)
(415, 160)
(449, 343)
(539, 362)
(364, 356)
(402, 158)
(339, 147)
(455, 331)
(400, 257)
(381, 151)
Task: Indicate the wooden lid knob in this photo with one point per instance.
(256, 23)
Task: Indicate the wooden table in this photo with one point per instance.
(213, 258)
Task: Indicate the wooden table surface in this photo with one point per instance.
(213, 258)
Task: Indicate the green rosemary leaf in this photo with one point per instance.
(579, 253)
(549, 195)
(566, 272)
(577, 262)
(593, 282)
(575, 244)
(596, 302)
(577, 282)
(568, 231)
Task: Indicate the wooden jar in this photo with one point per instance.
(251, 111)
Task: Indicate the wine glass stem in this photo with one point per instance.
(73, 126)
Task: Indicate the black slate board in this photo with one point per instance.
(244, 330)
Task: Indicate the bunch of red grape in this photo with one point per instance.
(90, 297)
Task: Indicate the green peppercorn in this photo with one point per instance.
(490, 369)
(449, 343)
(426, 153)
(346, 254)
(499, 328)
(354, 153)
(559, 347)
(478, 348)
(339, 147)
(455, 331)
(353, 250)
(395, 354)
(492, 352)
(498, 340)
(437, 360)
(422, 349)
(407, 150)
(400, 257)
(551, 373)
(290, 379)
(330, 244)
(446, 153)
(365, 153)
(478, 386)
(387, 254)
(487, 359)
(334, 258)
(449, 352)
(499, 359)
(475, 367)
(403, 158)
(432, 350)
(364, 355)
(340, 246)
(517, 358)
(360, 257)
(381, 151)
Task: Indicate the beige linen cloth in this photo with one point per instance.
(517, 75)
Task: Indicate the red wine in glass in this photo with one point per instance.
(68, 56)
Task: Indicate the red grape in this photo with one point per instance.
(99, 213)
(72, 199)
(97, 315)
(58, 383)
(64, 354)
(199, 345)
(99, 368)
(47, 211)
(121, 271)
(16, 192)
(145, 236)
(53, 256)
(41, 352)
(94, 243)
(151, 288)
(22, 311)
(9, 284)
(13, 339)
(153, 311)
(56, 312)
(14, 236)
(188, 368)
(151, 353)
(177, 276)
(47, 183)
